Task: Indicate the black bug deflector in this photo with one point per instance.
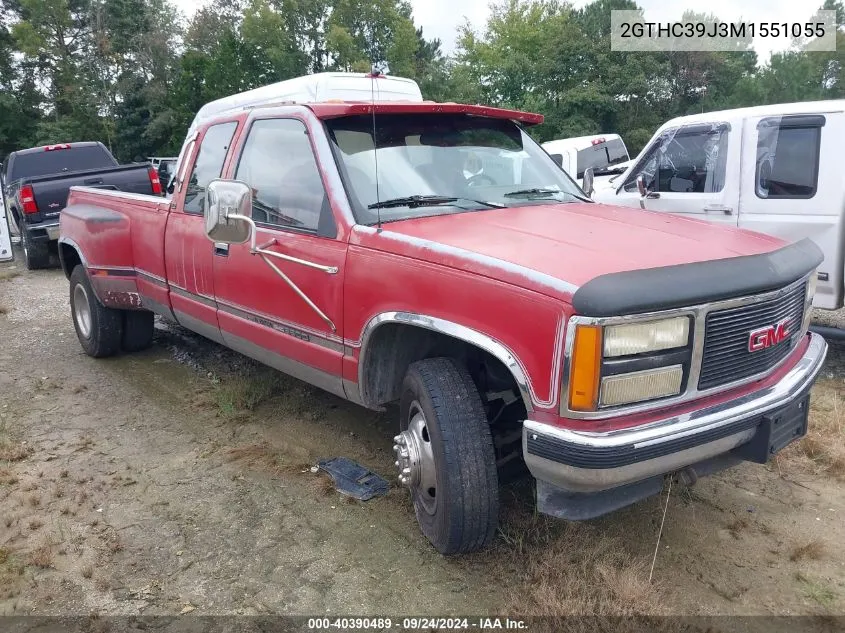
(684, 285)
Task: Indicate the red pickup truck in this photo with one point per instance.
(433, 255)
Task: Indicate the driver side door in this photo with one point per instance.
(285, 312)
(692, 170)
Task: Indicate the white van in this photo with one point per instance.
(773, 169)
(605, 153)
(315, 88)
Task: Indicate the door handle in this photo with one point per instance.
(221, 249)
(94, 181)
(652, 195)
(718, 208)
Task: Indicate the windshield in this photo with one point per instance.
(463, 163)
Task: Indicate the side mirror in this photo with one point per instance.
(587, 185)
(228, 211)
(641, 186)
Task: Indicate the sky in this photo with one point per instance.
(441, 18)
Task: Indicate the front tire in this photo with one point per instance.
(35, 254)
(98, 328)
(446, 457)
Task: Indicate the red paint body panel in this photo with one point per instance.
(527, 323)
(508, 274)
(245, 282)
(347, 108)
(574, 242)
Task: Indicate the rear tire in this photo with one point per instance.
(446, 456)
(35, 254)
(98, 328)
(138, 327)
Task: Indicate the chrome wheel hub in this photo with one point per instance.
(415, 459)
(82, 310)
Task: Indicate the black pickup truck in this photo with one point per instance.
(36, 183)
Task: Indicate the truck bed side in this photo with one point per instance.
(119, 238)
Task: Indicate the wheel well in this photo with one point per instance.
(69, 258)
(394, 346)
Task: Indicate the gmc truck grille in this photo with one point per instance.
(727, 357)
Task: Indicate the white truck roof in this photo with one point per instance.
(314, 89)
(577, 142)
(319, 87)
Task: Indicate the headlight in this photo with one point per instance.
(641, 385)
(627, 363)
(649, 336)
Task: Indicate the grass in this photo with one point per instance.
(569, 569)
(7, 275)
(240, 395)
(7, 477)
(822, 451)
(12, 451)
(41, 556)
(11, 575)
(817, 591)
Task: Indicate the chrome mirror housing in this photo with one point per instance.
(228, 209)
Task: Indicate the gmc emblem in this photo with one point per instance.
(769, 336)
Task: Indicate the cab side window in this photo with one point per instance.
(278, 163)
(788, 156)
(687, 160)
(209, 164)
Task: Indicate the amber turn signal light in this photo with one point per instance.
(586, 367)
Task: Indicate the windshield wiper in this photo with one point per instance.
(543, 193)
(412, 202)
(532, 192)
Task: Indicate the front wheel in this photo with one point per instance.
(99, 329)
(446, 458)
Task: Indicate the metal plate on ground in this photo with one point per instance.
(352, 479)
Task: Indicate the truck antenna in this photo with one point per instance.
(376, 71)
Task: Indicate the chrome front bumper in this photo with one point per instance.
(583, 462)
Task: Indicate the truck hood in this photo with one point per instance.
(556, 248)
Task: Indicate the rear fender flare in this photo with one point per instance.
(113, 287)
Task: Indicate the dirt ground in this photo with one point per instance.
(178, 481)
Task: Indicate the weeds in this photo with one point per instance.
(8, 275)
(42, 557)
(237, 396)
(11, 575)
(816, 591)
(13, 451)
(823, 449)
(571, 569)
(737, 525)
(7, 477)
(814, 550)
